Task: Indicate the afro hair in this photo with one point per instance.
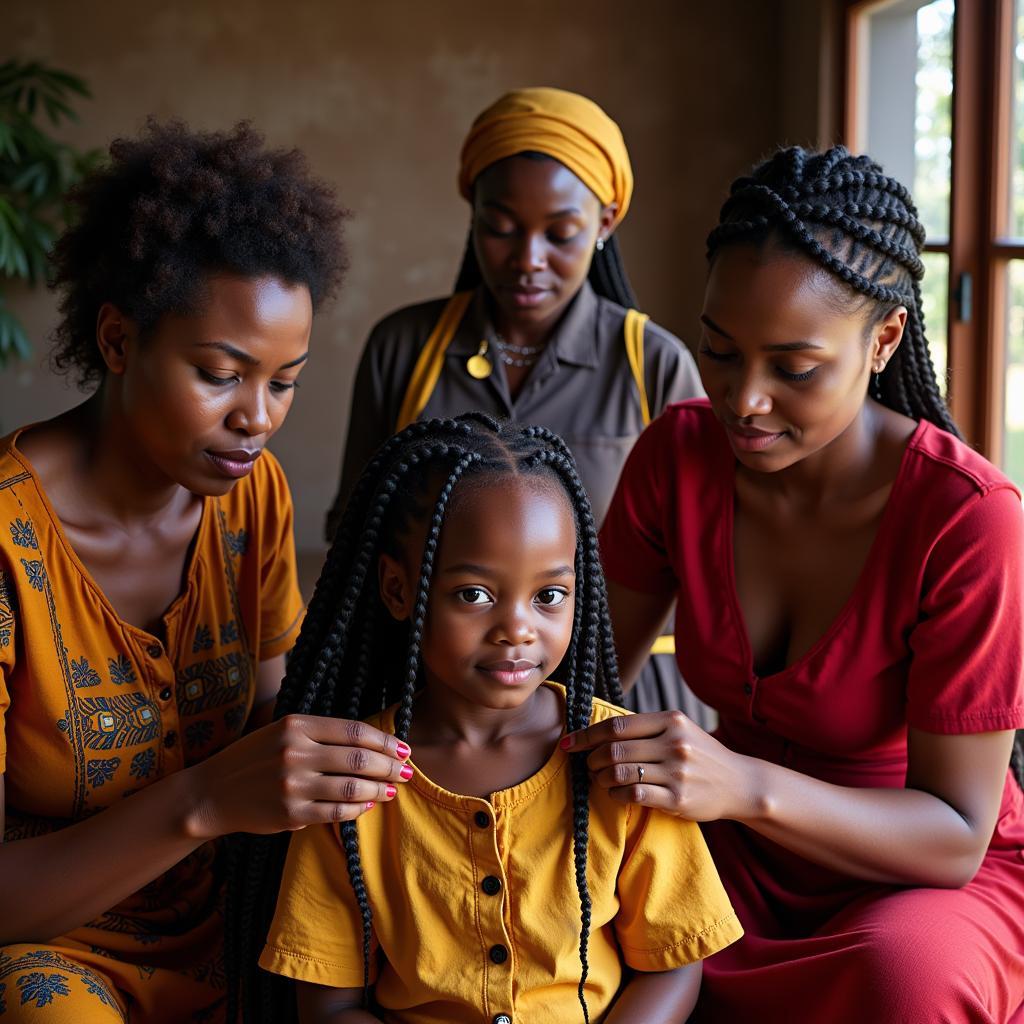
(174, 206)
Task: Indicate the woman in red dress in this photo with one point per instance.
(849, 578)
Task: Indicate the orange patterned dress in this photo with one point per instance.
(93, 709)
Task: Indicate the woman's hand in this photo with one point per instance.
(934, 832)
(685, 771)
(298, 771)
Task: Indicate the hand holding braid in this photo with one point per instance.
(848, 216)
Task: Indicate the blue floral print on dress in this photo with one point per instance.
(142, 764)
(203, 640)
(42, 988)
(23, 534)
(35, 572)
(83, 674)
(121, 671)
(101, 771)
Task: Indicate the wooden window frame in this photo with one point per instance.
(979, 251)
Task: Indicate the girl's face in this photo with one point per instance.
(785, 366)
(535, 225)
(203, 393)
(500, 614)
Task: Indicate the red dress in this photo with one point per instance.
(932, 637)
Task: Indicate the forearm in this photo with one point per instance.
(90, 866)
(321, 1004)
(351, 1015)
(899, 836)
(638, 619)
(665, 997)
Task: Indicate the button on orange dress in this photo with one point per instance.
(932, 638)
(93, 709)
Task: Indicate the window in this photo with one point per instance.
(1013, 214)
(904, 86)
(935, 91)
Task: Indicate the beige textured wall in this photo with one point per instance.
(379, 95)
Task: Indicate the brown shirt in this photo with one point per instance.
(581, 386)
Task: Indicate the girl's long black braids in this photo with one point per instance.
(352, 659)
(850, 217)
(855, 221)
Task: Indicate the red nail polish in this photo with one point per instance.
(406, 772)
(404, 750)
(390, 791)
(565, 742)
(370, 805)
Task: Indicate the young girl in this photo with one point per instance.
(465, 572)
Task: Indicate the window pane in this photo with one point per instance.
(909, 89)
(935, 297)
(933, 121)
(1015, 220)
(1013, 399)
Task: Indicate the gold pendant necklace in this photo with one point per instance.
(479, 366)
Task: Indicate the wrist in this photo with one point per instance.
(194, 814)
(756, 804)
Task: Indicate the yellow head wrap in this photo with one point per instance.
(566, 126)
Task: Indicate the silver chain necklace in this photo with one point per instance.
(512, 361)
(519, 350)
(508, 353)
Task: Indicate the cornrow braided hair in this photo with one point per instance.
(352, 659)
(607, 273)
(844, 213)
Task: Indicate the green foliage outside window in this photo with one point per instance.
(36, 170)
(933, 128)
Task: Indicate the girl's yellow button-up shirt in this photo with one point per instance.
(475, 907)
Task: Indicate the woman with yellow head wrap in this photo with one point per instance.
(543, 326)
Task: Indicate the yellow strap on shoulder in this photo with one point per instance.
(664, 645)
(431, 359)
(634, 329)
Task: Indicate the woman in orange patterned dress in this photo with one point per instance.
(148, 589)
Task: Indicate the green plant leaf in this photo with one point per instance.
(34, 179)
(57, 109)
(14, 342)
(36, 170)
(70, 81)
(8, 146)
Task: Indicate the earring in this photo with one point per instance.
(876, 379)
(600, 245)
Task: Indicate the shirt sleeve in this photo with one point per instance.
(633, 537)
(7, 636)
(370, 424)
(281, 605)
(967, 664)
(317, 931)
(673, 908)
